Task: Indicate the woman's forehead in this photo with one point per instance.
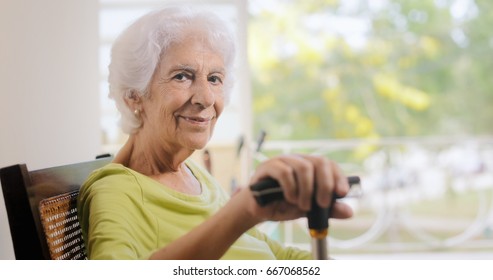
(192, 51)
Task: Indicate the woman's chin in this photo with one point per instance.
(197, 144)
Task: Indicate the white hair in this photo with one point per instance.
(136, 53)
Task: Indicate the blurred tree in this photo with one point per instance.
(366, 69)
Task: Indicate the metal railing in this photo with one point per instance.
(417, 193)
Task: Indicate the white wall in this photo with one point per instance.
(49, 103)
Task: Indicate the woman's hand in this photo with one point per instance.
(298, 175)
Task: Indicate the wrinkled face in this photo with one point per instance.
(186, 95)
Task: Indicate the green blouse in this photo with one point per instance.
(127, 215)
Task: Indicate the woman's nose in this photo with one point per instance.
(202, 94)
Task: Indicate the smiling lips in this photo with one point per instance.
(197, 120)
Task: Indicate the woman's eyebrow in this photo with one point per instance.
(219, 70)
(183, 67)
(191, 69)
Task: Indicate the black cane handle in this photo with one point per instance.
(269, 190)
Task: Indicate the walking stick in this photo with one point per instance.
(269, 190)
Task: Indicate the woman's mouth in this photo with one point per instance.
(197, 120)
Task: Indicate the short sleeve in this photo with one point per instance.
(110, 212)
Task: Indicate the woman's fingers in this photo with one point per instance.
(303, 174)
(338, 184)
(328, 178)
(300, 175)
(341, 211)
(295, 175)
(325, 179)
(280, 171)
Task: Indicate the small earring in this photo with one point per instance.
(137, 113)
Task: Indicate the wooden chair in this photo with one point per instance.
(42, 209)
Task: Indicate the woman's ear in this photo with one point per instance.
(133, 100)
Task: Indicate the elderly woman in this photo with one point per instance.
(170, 76)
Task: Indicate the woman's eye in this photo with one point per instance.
(215, 80)
(180, 77)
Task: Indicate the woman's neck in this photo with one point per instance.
(159, 164)
(151, 159)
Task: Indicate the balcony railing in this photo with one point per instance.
(418, 194)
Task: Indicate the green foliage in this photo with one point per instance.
(415, 68)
